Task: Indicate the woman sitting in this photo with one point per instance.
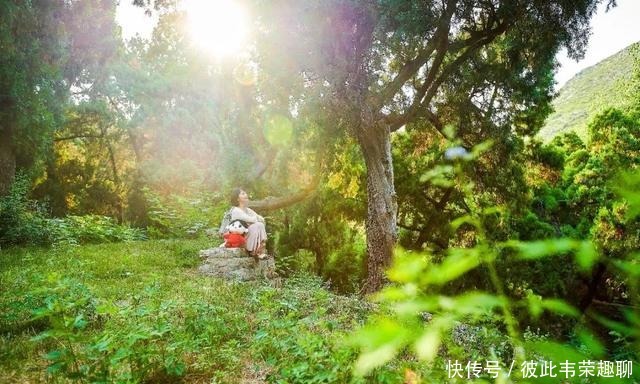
(256, 238)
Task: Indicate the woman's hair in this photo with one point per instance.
(233, 198)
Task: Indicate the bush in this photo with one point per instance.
(421, 318)
(22, 221)
(136, 350)
(183, 216)
(76, 230)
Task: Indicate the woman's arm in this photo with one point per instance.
(239, 214)
(260, 218)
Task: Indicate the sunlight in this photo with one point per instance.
(219, 26)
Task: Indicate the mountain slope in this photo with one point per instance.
(604, 85)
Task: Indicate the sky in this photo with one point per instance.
(133, 20)
(611, 32)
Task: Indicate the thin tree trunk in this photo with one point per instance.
(7, 160)
(592, 287)
(382, 206)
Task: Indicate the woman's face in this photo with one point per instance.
(243, 197)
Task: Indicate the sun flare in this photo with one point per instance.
(219, 26)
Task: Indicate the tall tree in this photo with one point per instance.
(30, 80)
(47, 49)
(378, 66)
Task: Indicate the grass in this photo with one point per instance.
(139, 312)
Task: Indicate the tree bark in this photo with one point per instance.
(592, 287)
(7, 161)
(382, 206)
(273, 203)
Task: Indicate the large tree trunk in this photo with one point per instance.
(382, 207)
(7, 161)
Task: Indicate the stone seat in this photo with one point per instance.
(236, 264)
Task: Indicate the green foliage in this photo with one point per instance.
(141, 340)
(47, 49)
(31, 78)
(22, 221)
(578, 201)
(608, 84)
(425, 322)
(25, 222)
(137, 312)
(90, 229)
(183, 216)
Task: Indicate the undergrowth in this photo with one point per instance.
(139, 312)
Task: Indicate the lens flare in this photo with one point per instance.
(219, 26)
(278, 130)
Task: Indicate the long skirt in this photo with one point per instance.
(256, 236)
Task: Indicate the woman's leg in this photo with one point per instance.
(256, 239)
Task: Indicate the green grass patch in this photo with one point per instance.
(139, 312)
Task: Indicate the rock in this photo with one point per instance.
(236, 264)
(266, 268)
(224, 253)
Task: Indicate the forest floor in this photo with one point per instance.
(140, 312)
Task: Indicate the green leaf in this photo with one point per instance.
(477, 302)
(555, 351)
(534, 303)
(459, 262)
(627, 186)
(55, 367)
(79, 322)
(369, 360)
(103, 344)
(121, 354)
(449, 131)
(592, 343)
(415, 306)
(380, 342)
(54, 355)
(106, 308)
(623, 329)
(407, 267)
(586, 255)
(380, 332)
(394, 293)
(632, 316)
(427, 345)
(631, 267)
(539, 249)
(40, 313)
(481, 148)
(439, 172)
(466, 219)
(560, 307)
(41, 336)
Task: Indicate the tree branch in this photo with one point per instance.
(409, 228)
(262, 166)
(431, 84)
(444, 199)
(272, 203)
(406, 72)
(411, 68)
(79, 136)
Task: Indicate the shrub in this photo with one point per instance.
(22, 221)
(76, 230)
(421, 319)
(183, 216)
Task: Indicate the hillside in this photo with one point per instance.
(594, 89)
